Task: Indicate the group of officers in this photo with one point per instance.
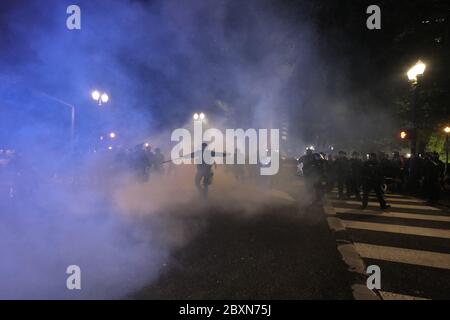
(141, 160)
(355, 177)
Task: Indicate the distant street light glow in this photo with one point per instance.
(199, 116)
(403, 134)
(447, 130)
(112, 135)
(105, 98)
(95, 95)
(417, 70)
(100, 97)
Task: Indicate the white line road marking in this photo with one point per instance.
(386, 195)
(395, 205)
(402, 200)
(350, 256)
(391, 198)
(386, 295)
(395, 254)
(392, 214)
(372, 198)
(401, 255)
(394, 195)
(417, 231)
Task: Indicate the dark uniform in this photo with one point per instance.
(313, 171)
(432, 171)
(204, 174)
(356, 166)
(140, 163)
(331, 173)
(415, 171)
(158, 159)
(372, 178)
(398, 169)
(150, 161)
(343, 174)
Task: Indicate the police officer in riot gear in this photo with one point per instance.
(372, 179)
(343, 174)
(398, 171)
(432, 172)
(158, 160)
(313, 172)
(140, 163)
(204, 174)
(356, 165)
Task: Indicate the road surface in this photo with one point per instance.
(278, 253)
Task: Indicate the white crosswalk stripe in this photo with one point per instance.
(395, 205)
(387, 195)
(409, 256)
(399, 222)
(395, 199)
(397, 296)
(403, 200)
(393, 228)
(389, 214)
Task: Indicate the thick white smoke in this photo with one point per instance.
(160, 61)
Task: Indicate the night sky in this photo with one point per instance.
(240, 61)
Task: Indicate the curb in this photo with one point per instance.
(349, 255)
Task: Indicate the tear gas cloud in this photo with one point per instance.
(159, 61)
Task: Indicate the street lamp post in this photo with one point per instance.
(101, 98)
(72, 113)
(72, 122)
(447, 131)
(199, 116)
(417, 70)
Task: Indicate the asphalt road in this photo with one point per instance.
(279, 253)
